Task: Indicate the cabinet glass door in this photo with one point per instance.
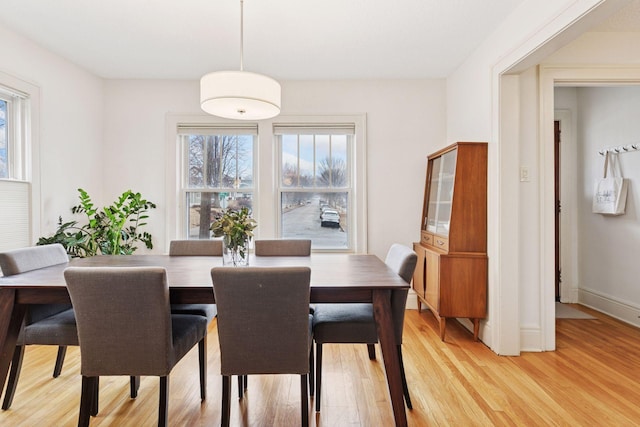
(432, 200)
(441, 193)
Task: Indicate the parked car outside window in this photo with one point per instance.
(330, 218)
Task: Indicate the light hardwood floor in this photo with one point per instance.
(591, 380)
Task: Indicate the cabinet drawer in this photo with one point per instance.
(441, 243)
(427, 238)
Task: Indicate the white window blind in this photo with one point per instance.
(15, 218)
(314, 129)
(218, 129)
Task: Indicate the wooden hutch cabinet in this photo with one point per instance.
(451, 274)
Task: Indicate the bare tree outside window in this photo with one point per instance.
(218, 166)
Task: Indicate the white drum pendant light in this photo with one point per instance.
(240, 94)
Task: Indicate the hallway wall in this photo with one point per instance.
(607, 246)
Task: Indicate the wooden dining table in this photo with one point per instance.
(335, 278)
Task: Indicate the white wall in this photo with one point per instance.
(528, 215)
(609, 270)
(405, 122)
(71, 114)
(594, 57)
(474, 112)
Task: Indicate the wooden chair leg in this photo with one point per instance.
(226, 400)
(311, 371)
(134, 386)
(62, 352)
(96, 396)
(318, 375)
(86, 400)
(202, 357)
(163, 402)
(14, 375)
(304, 397)
(371, 348)
(245, 379)
(405, 387)
(240, 386)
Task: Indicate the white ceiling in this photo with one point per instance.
(286, 39)
(626, 19)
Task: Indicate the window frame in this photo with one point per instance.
(15, 122)
(317, 130)
(357, 220)
(185, 188)
(23, 151)
(265, 200)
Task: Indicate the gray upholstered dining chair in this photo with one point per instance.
(44, 324)
(117, 338)
(195, 248)
(283, 247)
(251, 336)
(354, 323)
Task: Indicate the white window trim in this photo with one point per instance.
(28, 157)
(174, 211)
(358, 197)
(266, 156)
(184, 189)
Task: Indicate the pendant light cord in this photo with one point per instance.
(241, 35)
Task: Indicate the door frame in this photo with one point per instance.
(569, 200)
(552, 75)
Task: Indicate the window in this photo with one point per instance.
(316, 184)
(12, 127)
(217, 173)
(287, 170)
(4, 140)
(18, 163)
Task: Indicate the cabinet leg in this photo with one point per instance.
(476, 329)
(443, 324)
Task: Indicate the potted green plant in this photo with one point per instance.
(236, 229)
(112, 230)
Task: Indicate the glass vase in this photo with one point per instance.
(234, 254)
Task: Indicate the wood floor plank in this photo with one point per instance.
(592, 379)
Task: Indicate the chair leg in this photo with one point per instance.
(240, 386)
(14, 374)
(245, 380)
(371, 348)
(96, 397)
(226, 400)
(62, 352)
(304, 397)
(311, 371)
(134, 386)
(86, 400)
(163, 402)
(405, 387)
(318, 375)
(202, 356)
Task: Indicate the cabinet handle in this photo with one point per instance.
(440, 242)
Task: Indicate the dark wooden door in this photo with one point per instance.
(556, 145)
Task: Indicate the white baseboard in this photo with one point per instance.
(412, 300)
(530, 338)
(621, 310)
(569, 295)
